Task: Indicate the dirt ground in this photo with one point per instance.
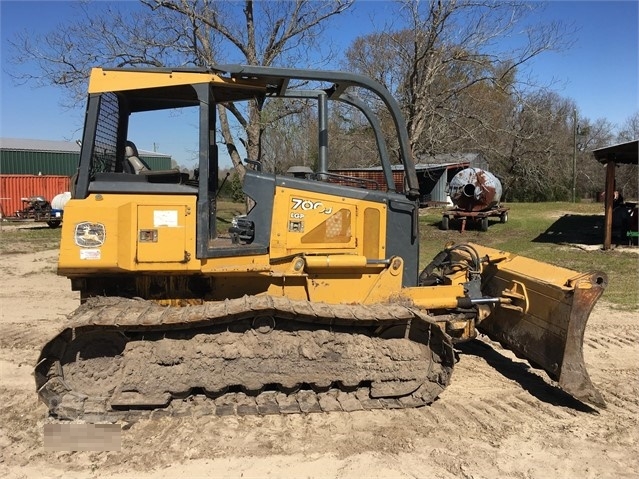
(498, 418)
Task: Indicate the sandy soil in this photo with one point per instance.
(498, 418)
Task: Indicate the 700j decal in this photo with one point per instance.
(307, 205)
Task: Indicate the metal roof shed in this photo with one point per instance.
(23, 156)
(611, 156)
(434, 172)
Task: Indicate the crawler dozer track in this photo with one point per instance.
(253, 355)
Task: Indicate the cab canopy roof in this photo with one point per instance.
(159, 88)
(163, 88)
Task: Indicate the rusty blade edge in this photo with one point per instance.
(574, 378)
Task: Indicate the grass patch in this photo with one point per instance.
(28, 239)
(547, 232)
(225, 212)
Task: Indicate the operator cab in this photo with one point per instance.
(111, 164)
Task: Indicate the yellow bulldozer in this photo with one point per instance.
(311, 301)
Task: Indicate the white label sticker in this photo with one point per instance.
(165, 218)
(90, 254)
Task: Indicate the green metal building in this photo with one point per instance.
(20, 156)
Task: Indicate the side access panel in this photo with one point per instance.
(161, 234)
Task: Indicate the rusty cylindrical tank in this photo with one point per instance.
(474, 189)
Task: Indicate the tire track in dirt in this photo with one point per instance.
(16, 335)
(603, 340)
(613, 347)
(621, 391)
(513, 409)
(504, 396)
(497, 405)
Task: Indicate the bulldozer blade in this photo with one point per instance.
(543, 316)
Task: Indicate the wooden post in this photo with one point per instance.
(610, 190)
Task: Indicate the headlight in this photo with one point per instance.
(89, 235)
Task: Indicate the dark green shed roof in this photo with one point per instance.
(21, 156)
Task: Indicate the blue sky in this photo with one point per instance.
(600, 71)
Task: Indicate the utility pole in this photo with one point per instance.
(574, 156)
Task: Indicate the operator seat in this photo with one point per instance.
(138, 166)
(131, 155)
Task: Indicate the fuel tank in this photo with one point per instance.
(474, 189)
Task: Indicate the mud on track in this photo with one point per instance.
(498, 418)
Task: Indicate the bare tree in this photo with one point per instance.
(443, 51)
(600, 133)
(628, 175)
(162, 33)
(463, 89)
(629, 129)
(537, 164)
(287, 141)
(591, 135)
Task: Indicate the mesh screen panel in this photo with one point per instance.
(106, 138)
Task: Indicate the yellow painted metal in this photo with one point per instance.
(242, 265)
(314, 222)
(435, 297)
(521, 265)
(542, 292)
(328, 261)
(130, 222)
(119, 216)
(363, 288)
(517, 297)
(156, 234)
(161, 234)
(105, 80)
(332, 279)
(547, 318)
(372, 236)
(293, 288)
(388, 283)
